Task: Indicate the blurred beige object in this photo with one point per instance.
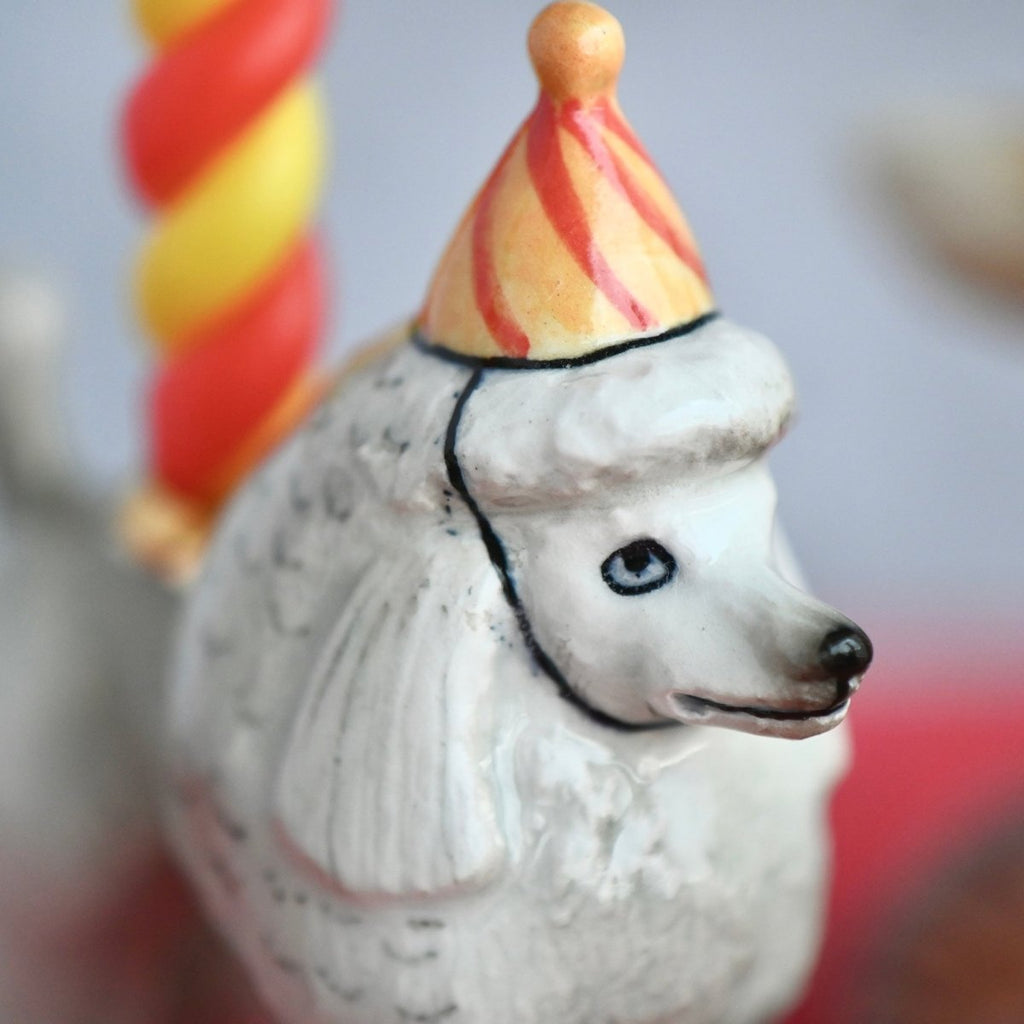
(957, 172)
(82, 636)
(33, 450)
(165, 534)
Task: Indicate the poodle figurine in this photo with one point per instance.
(484, 696)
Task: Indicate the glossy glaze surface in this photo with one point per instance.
(483, 697)
(364, 740)
(574, 241)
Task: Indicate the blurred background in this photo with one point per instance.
(902, 484)
(848, 168)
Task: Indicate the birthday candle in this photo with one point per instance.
(223, 136)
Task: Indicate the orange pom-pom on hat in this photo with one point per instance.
(575, 242)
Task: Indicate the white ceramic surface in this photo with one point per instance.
(430, 764)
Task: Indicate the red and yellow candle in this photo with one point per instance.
(223, 137)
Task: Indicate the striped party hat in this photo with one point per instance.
(575, 242)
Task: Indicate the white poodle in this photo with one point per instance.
(443, 744)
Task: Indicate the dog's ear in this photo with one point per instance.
(386, 781)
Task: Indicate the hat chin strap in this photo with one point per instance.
(499, 559)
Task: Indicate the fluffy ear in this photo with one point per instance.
(386, 782)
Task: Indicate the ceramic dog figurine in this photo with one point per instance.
(483, 695)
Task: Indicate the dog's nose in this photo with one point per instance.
(845, 652)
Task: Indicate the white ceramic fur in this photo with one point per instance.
(394, 812)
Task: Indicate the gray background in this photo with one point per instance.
(903, 485)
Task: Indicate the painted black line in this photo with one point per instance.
(409, 959)
(350, 995)
(499, 559)
(513, 363)
(423, 923)
(843, 690)
(427, 1018)
(234, 830)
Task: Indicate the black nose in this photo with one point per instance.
(845, 652)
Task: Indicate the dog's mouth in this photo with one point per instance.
(766, 720)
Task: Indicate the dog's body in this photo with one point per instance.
(429, 765)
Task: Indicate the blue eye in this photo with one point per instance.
(638, 568)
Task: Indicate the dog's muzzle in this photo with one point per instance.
(842, 658)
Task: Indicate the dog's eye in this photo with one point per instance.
(638, 568)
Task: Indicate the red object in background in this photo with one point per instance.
(206, 399)
(170, 967)
(207, 87)
(938, 772)
(235, 386)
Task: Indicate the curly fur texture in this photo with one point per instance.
(389, 806)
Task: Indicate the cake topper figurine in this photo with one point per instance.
(480, 697)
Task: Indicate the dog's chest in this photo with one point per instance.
(597, 822)
(640, 881)
(636, 890)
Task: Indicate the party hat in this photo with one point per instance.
(574, 243)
